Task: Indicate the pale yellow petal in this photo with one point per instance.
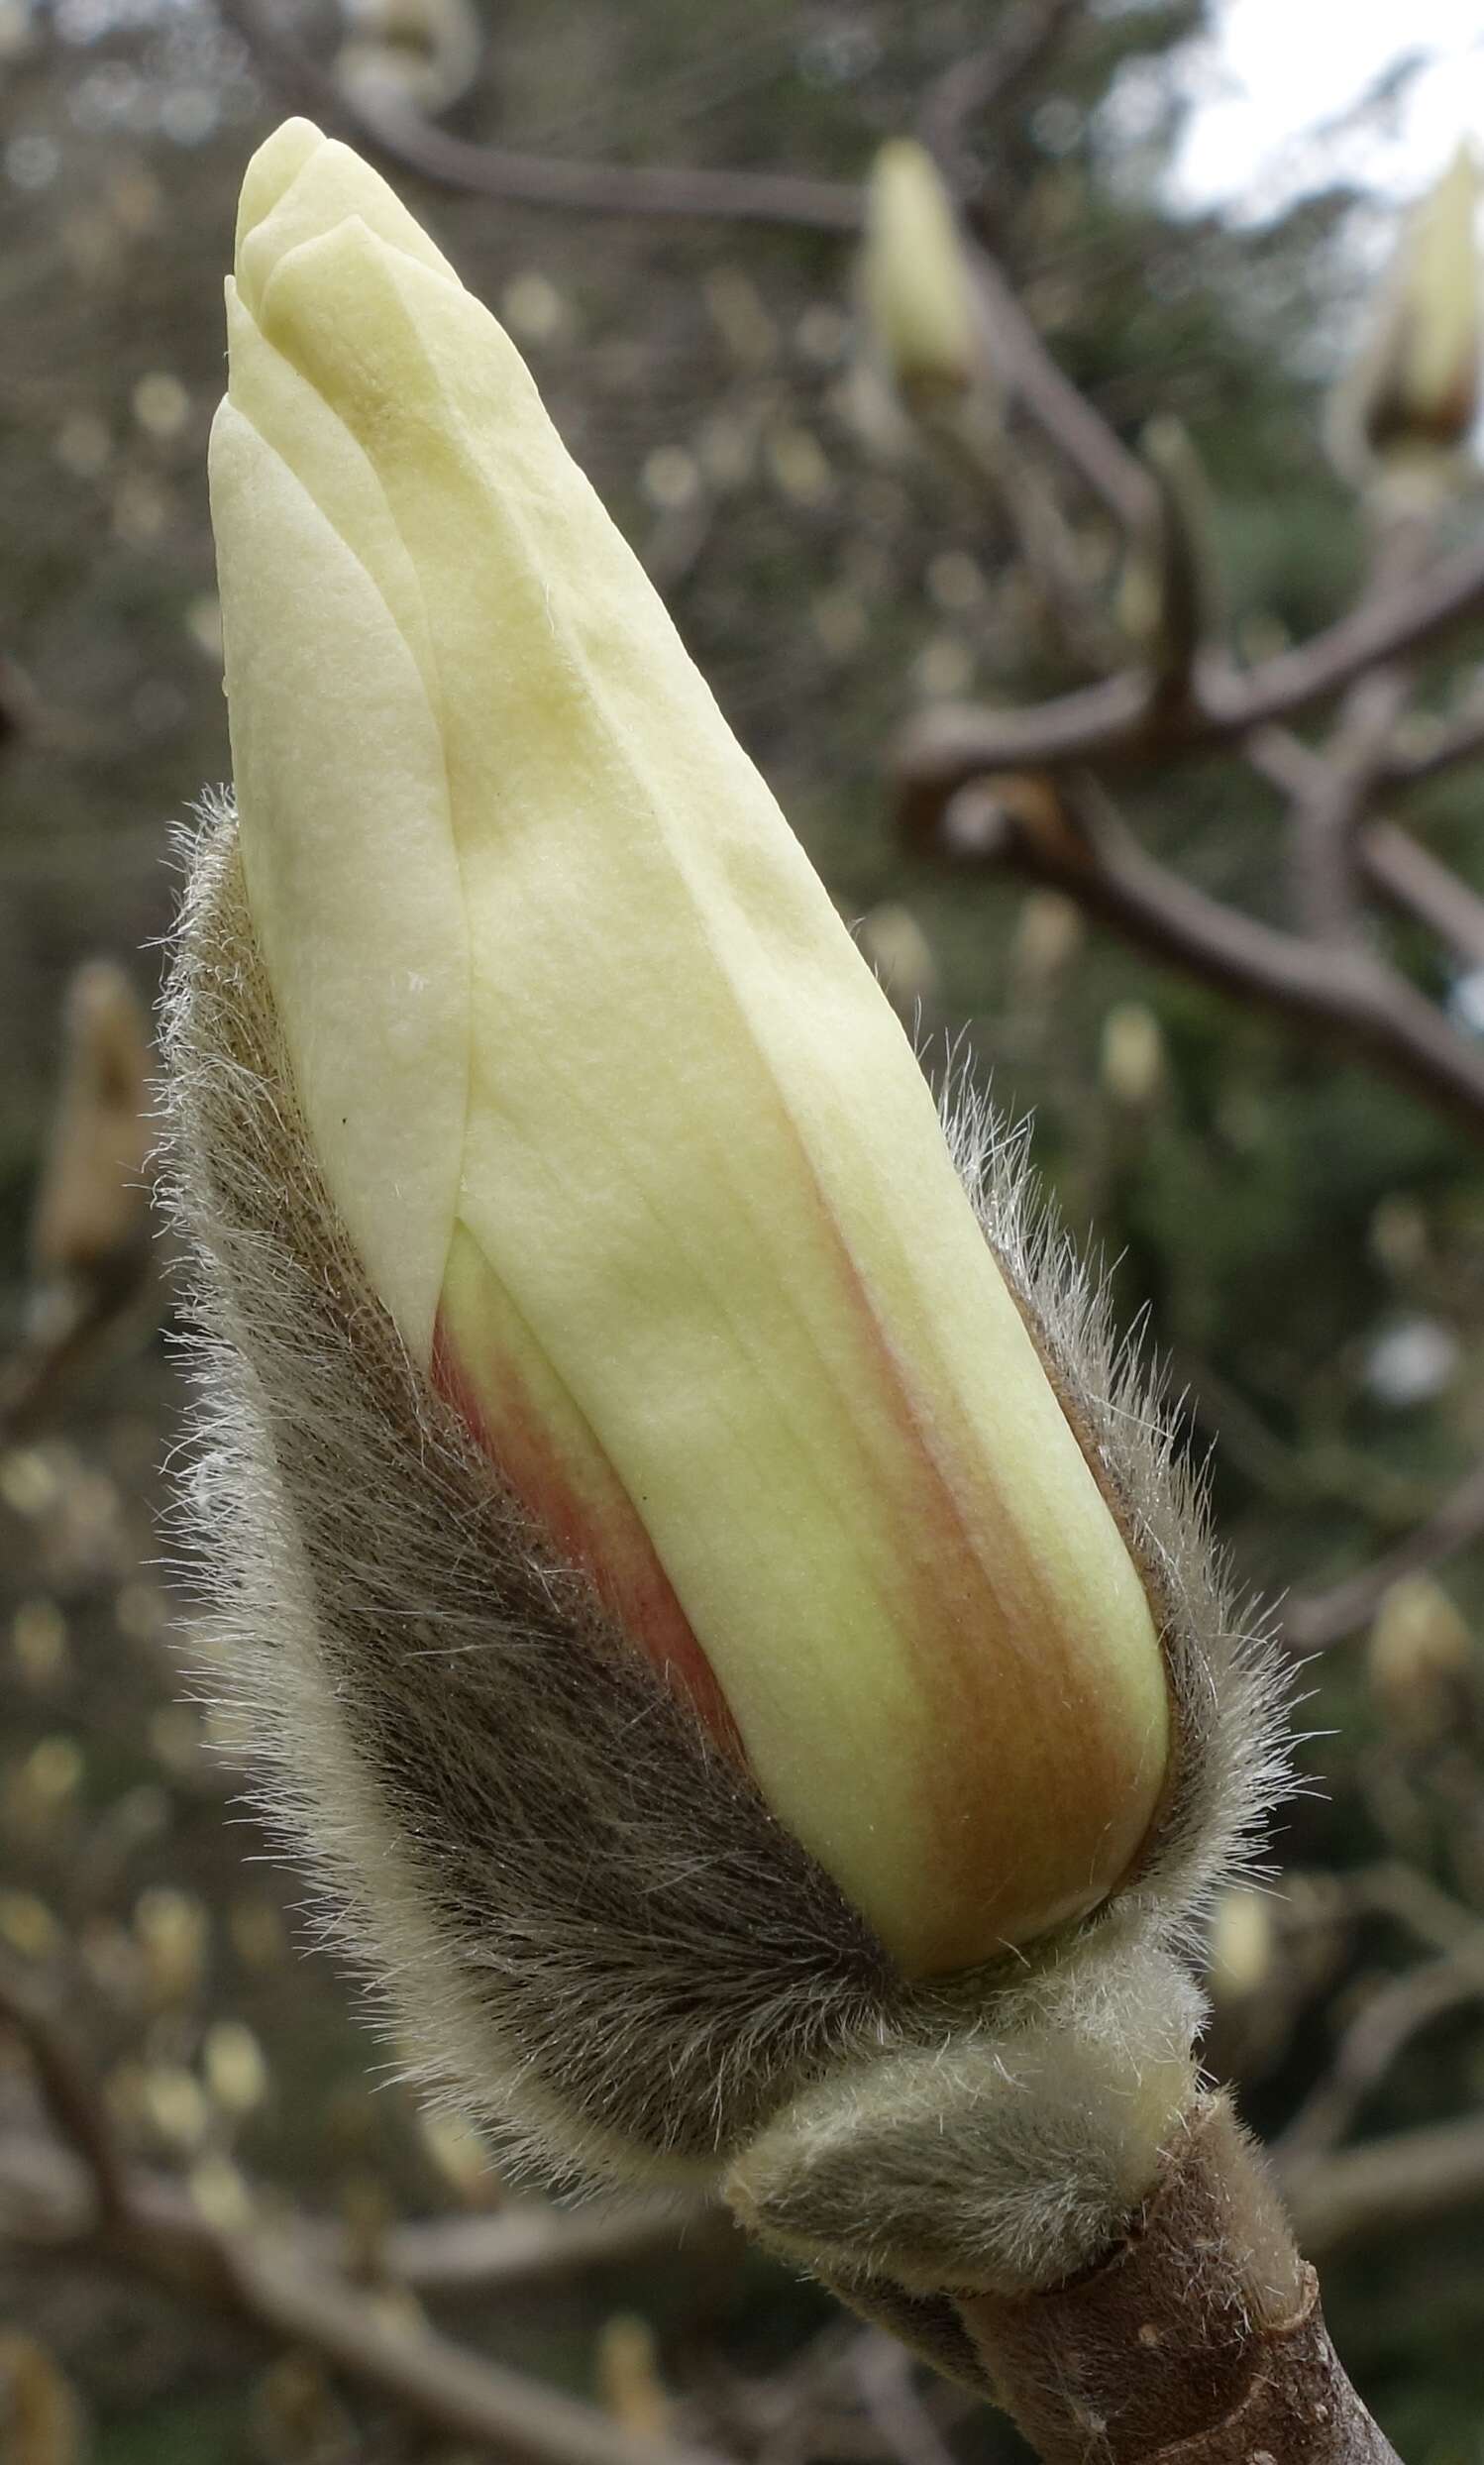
(296, 190)
(350, 867)
(704, 1163)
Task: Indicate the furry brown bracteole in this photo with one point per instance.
(575, 1912)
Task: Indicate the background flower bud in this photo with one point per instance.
(915, 281)
(1413, 395)
(90, 1228)
(1419, 1660)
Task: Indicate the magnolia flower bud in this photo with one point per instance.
(628, 1142)
(915, 281)
(1413, 395)
(422, 54)
(699, 1562)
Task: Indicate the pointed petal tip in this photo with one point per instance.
(301, 186)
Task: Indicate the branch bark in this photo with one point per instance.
(1199, 2341)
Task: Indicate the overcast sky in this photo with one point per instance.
(1279, 70)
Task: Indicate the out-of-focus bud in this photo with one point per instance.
(628, 2375)
(90, 1230)
(28, 1925)
(42, 2419)
(709, 1578)
(1167, 591)
(1049, 933)
(220, 2194)
(626, 1136)
(461, 2153)
(236, 2070)
(40, 1797)
(176, 2107)
(1420, 1660)
(899, 949)
(296, 2416)
(915, 284)
(174, 1932)
(1412, 398)
(1241, 1946)
(1131, 1056)
(419, 54)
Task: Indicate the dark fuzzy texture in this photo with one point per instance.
(581, 1916)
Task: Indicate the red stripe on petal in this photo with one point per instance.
(591, 1523)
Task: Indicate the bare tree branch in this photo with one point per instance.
(75, 2111)
(46, 2196)
(1312, 1621)
(264, 2277)
(1380, 2188)
(1442, 744)
(663, 192)
(1325, 823)
(1023, 42)
(1416, 884)
(1116, 721)
(1381, 2031)
(1090, 854)
(1022, 364)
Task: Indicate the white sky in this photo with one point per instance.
(1279, 70)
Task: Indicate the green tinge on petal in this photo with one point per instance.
(702, 1170)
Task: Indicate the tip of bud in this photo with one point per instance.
(1412, 399)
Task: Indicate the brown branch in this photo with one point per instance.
(1022, 364)
(45, 2197)
(1444, 743)
(1418, 885)
(1392, 864)
(662, 191)
(1313, 1621)
(1198, 2339)
(1386, 625)
(1325, 823)
(1119, 722)
(28, 2008)
(1381, 2031)
(1382, 2187)
(953, 745)
(1088, 854)
(459, 2392)
(1343, 777)
(265, 2279)
(987, 80)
